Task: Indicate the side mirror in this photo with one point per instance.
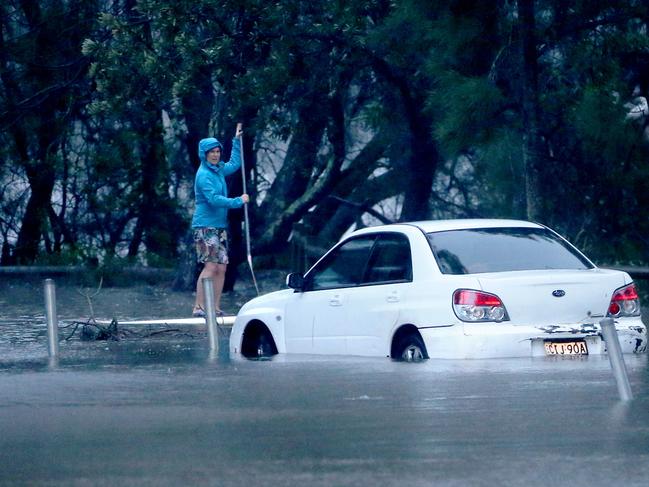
(295, 280)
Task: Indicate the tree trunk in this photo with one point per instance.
(157, 219)
(331, 218)
(41, 182)
(532, 142)
(360, 201)
(293, 178)
(420, 170)
(187, 269)
(197, 112)
(423, 158)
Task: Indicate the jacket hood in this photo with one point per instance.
(206, 145)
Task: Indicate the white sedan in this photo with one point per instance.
(445, 289)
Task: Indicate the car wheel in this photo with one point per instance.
(264, 347)
(411, 348)
(258, 343)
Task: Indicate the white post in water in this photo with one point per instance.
(616, 359)
(52, 319)
(210, 314)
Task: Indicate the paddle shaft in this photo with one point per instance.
(245, 212)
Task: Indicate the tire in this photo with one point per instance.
(264, 346)
(411, 348)
(258, 343)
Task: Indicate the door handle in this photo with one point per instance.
(393, 297)
(335, 301)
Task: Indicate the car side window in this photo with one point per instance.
(344, 266)
(390, 260)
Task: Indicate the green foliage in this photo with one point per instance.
(465, 113)
(600, 126)
(113, 95)
(587, 55)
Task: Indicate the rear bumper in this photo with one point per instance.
(498, 340)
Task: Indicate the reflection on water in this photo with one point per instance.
(22, 329)
(162, 410)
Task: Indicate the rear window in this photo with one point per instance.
(479, 250)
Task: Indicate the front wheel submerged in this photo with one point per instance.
(258, 342)
(410, 348)
(264, 347)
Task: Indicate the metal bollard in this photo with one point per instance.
(52, 319)
(616, 358)
(210, 314)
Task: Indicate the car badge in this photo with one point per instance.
(558, 293)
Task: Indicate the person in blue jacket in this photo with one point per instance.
(210, 220)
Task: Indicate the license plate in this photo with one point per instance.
(577, 347)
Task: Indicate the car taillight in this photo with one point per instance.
(476, 306)
(625, 302)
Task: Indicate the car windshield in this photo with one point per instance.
(473, 251)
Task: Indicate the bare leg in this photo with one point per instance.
(219, 281)
(216, 272)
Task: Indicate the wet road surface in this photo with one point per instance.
(164, 413)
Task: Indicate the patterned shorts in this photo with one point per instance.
(211, 245)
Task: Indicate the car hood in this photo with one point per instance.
(555, 296)
(274, 300)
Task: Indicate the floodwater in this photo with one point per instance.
(159, 409)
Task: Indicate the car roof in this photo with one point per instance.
(458, 224)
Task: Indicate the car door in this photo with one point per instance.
(374, 305)
(317, 318)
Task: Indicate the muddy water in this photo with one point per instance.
(161, 410)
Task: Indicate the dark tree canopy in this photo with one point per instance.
(354, 113)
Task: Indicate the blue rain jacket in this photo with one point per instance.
(212, 202)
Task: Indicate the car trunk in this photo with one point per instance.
(554, 296)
